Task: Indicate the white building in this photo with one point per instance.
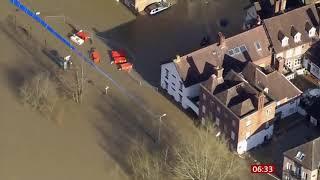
(292, 33)
(171, 82)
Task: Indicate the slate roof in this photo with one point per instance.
(251, 45)
(298, 20)
(278, 86)
(311, 150)
(234, 93)
(313, 53)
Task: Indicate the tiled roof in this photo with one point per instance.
(234, 93)
(311, 151)
(300, 20)
(274, 81)
(197, 66)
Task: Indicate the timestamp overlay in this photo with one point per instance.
(263, 168)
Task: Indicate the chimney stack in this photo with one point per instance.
(283, 5)
(222, 40)
(218, 71)
(259, 100)
(276, 6)
(279, 64)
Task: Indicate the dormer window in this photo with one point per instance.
(297, 37)
(310, 29)
(295, 34)
(283, 39)
(312, 32)
(300, 156)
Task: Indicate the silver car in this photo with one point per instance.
(157, 7)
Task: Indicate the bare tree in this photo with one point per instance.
(205, 157)
(40, 93)
(148, 165)
(79, 85)
(201, 157)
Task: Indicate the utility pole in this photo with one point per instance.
(160, 121)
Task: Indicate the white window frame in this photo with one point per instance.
(312, 32)
(297, 37)
(285, 41)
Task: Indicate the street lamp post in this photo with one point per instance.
(160, 121)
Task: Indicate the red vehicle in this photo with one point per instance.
(83, 35)
(95, 56)
(125, 66)
(118, 53)
(119, 60)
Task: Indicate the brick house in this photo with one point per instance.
(242, 113)
(292, 33)
(181, 77)
(302, 162)
(274, 83)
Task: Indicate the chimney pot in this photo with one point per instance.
(279, 64)
(218, 71)
(259, 100)
(222, 40)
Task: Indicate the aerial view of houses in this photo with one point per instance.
(160, 89)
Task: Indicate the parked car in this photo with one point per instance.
(157, 7)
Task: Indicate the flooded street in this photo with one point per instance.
(179, 30)
(150, 40)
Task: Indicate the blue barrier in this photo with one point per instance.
(37, 18)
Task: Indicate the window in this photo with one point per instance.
(300, 156)
(204, 96)
(243, 48)
(173, 76)
(248, 123)
(289, 166)
(167, 73)
(180, 98)
(232, 135)
(297, 37)
(217, 121)
(287, 177)
(173, 84)
(312, 32)
(166, 85)
(236, 50)
(258, 46)
(203, 109)
(304, 175)
(285, 42)
(230, 52)
(180, 86)
(268, 111)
